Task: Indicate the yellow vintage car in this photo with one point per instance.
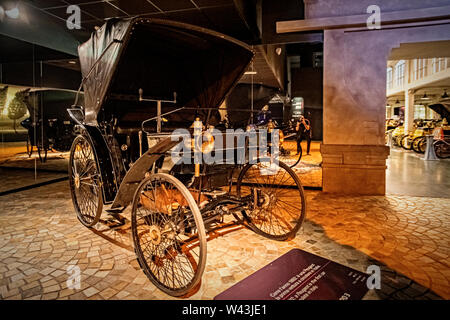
(413, 139)
(397, 134)
(407, 139)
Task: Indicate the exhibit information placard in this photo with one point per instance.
(300, 275)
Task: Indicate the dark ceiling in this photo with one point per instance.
(236, 18)
(240, 19)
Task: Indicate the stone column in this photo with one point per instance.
(409, 110)
(354, 101)
(353, 147)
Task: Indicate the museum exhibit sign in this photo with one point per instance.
(300, 275)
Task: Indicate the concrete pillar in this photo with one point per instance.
(409, 110)
(353, 149)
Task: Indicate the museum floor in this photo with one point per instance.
(40, 236)
(408, 174)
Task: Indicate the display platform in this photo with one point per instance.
(300, 275)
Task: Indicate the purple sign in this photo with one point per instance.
(300, 275)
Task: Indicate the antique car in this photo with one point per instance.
(49, 125)
(437, 127)
(442, 135)
(245, 105)
(244, 96)
(144, 78)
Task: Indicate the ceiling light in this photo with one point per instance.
(72, 62)
(445, 95)
(425, 97)
(13, 13)
(250, 72)
(278, 50)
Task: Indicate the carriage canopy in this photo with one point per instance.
(443, 109)
(161, 57)
(50, 103)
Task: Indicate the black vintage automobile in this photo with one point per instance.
(49, 126)
(142, 79)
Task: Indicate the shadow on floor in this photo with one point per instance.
(394, 285)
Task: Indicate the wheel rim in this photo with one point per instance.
(85, 182)
(168, 234)
(276, 200)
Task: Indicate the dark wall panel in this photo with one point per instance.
(307, 83)
(21, 73)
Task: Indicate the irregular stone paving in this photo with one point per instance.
(410, 235)
(40, 237)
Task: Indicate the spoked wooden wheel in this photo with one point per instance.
(85, 182)
(168, 234)
(405, 142)
(276, 202)
(442, 149)
(419, 144)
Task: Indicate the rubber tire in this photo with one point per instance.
(402, 142)
(299, 158)
(416, 144)
(436, 148)
(72, 186)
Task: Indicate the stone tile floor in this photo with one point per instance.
(40, 237)
(12, 178)
(410, 235)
